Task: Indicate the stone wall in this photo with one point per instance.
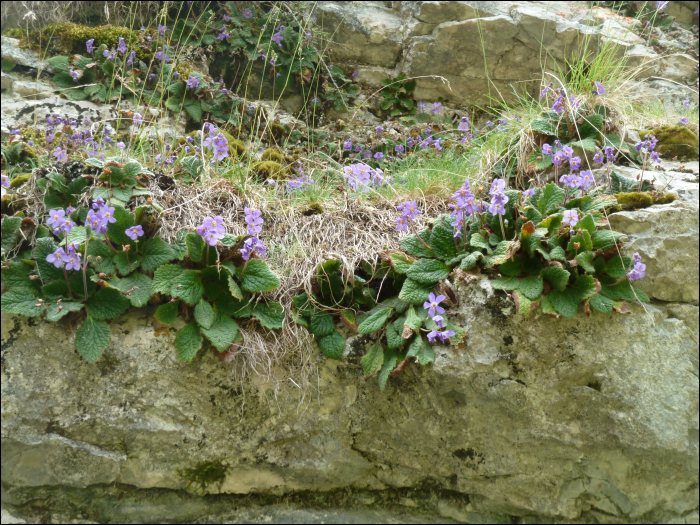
(476, 52)
(548, 418)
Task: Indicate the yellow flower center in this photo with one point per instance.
(434, 305)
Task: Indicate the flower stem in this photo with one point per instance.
(413, 228)
(65, 274)
(503, 228)
(609, 179)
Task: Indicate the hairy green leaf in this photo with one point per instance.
(387, 366)
(92, 338)
(531, 287)
(413, 247)
(257, 277)
(188, 287)
(375, 321)
(413, 292)
(107, 303)
(428, 271)
(137, 287)
(21, 302)
(269, 315)
(167, 313)
(164, 279)
(188, 342)
(204, 314)
(156, 252)
(565, 302)
(557, 277)
(222, 332)
(373, 360)
(332, 345)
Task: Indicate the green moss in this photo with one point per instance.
(270, 169)
(312, 209)
(204, 474)
(278, 132)
(36, 136)
(636, 200)
(273, 154)
(236, 148)
(15, 32)
(68, 38)
(20, 180)
(674, 141)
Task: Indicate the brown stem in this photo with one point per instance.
(413, 228)
(65, 274)
(609, 179)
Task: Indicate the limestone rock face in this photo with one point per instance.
(667, 239)
(541, 417)
(469, 51)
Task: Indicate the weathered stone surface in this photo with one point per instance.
(470, 51)
(531, 417)
(667, 239)
(22, 57)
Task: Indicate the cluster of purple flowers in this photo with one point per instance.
(647, 147)
(409, 210)
(299, 182)
(465, 206)
(60, 220)
(434, 311)
(223, 35)
(639, 269)
(607, 155)
(212, 230)
(498, 197)
(254, 225)
(70, 259)
(192, 82)
(360, 176)
(216, 141)
(100, 216)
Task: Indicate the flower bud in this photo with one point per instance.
(577, 245)
(126, 247)
(59, 301)
(98, 258)
(33, 277)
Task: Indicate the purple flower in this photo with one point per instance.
(355, 74)
(410, 209)
(97, 203)
(121, 145)
(489, 124)
(575, 163)
(358, 176)
(90, 46)
(444, 336)
(570, 218)
(546, 149)
(379, 155)
(277, 39)
(401, 224)
(686, 104)
(107, 213)
(437, 106)
(347, 145)
(223, 35)
(72, 261)
(96, 221)
(598, 158)
(545, 90)
(683, 121)
(399, 148)
(409, 142)
(567, 151)
(655, 156)
(557, 144)
(134, 232)
(379, 129)
(248, 13)
(432, 305)
(661, 5)
(498, 204)
(315, 100)
(60, 154)
(438, 320)
(75, 74)
(598, 89)
(130, 60)
(227, 18)
(638, 271)
(586, 179)
(162, 29)
(558, 158)
(464, 124)
(192, 82)
(252, 218)
(57, 258)
(497, 186)
(528, 193)
(122, 46)
(250, 246)
(5, 181)
(138, 119)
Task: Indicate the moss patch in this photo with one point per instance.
(204, 474)
(674, 141)
(273, 154)
(20, 180)
(68, 38)
(270, 169)
(636, 200)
